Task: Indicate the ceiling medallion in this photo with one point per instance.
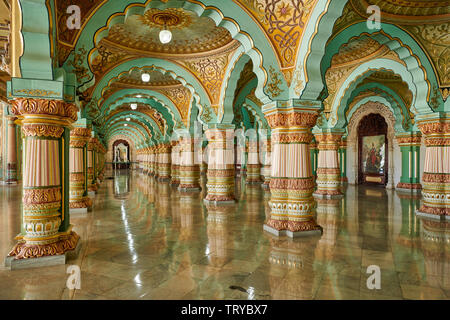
(172, 18)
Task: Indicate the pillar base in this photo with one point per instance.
(12, 182)
(439, 217)
(218, 202)
(254, 182)
(189, 189)
(291, 234)
(67, 248)
(328, 196)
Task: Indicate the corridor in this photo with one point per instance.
(146, 240)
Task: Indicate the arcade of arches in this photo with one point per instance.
(280, 146)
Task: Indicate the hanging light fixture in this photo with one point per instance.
(134, 106)
(165, 36)
(145, 77)
(128, 119)
(138, 96)
(126, 125)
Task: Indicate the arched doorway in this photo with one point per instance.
(121, 154)
(373, 150)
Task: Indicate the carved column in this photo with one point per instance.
(328, 170)
(79, 201)
(343, 160)
(189, 166)
(220, 173)
(314, 152)
(46, 226)
(91, 183)
(175, 170)
(253, 165)
(11, 171)
(164, 162)
(152, 157)
(436, 175)
(291, 183)
(410, 149)
(266, 155)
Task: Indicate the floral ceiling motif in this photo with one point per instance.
(426, 21)
(283, 22)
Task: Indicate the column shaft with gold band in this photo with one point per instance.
(253, 165)
(92, 184)
(164, 162)
(152, 161)
(409, 144)
(328, 170)
(175, 169)
(266, 155)
(189, 165)
(46, 228)
(220, 172)
(79, 201)
(291, 183)
(436, 175)
(11, 170)
(343, 160)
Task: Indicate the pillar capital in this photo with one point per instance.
(409, 139)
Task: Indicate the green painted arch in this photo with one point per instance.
(138, 131)
(240, 26)
(156, 99)
(139, 117)
(250, 109)
(257, 112)
(337, 117)
(246, 123)
(397, 115)
(129, 134)
(229, 84)
(312, 49)
(174, 70)
(150, 103)
(131, 130)
(399, 41)
(397, 103)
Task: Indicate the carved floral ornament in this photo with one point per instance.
(300, 119)
(42, 130)
(23, 107)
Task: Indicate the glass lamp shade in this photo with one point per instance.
(145, 77)
(128, 119)
(134, 106)
(165, 36)
(126, 125)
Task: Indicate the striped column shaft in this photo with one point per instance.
(164, 163)
(253, 165)
(11, 167)
(46, 228)
(328, 170)
(77, 167)
(92, 185)
(436, 175)
(175, 170)
(220, 173)
(189, 166)
(291, 183)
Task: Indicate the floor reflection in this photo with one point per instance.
(146, 240)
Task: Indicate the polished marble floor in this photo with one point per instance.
(146, 240)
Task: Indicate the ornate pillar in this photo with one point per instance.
(175, 170)
(220, 173)
(436, 175)
(91, 183)
(152, 157)
(79, 202)
(266, 155)
(164, 162)
(291, 183)
(253, 165)
(314, 152)
(410, 149)
(328, 170)
(343, 160)
(189, 166)
(11, 170)
(46, 229)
